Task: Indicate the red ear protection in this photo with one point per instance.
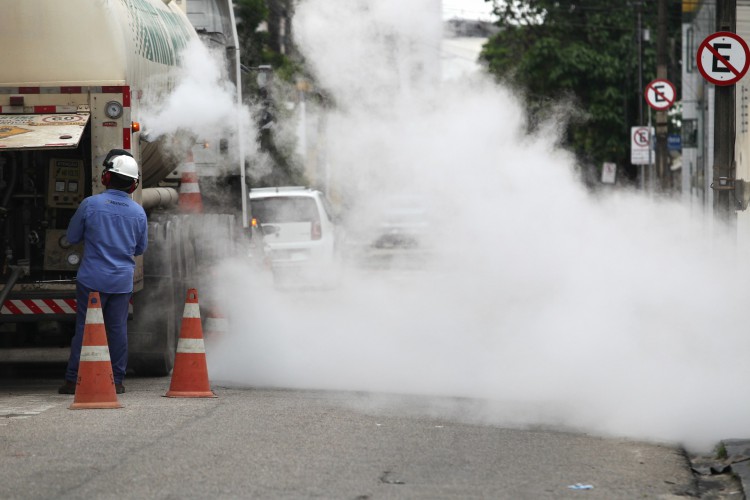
(107, 177)
(108, 164)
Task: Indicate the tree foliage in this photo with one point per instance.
(580, 52)
(259, 46)
(250, 15)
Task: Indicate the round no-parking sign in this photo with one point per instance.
(660, 94)
(723, 58)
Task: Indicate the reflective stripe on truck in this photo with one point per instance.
(39, 306)
(94, 89)
(19, 307)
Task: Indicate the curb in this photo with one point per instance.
(738, 456)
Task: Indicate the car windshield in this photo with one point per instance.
(281, 209)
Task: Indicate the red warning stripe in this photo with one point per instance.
(104, 89)
(38, 306)
(40, 110)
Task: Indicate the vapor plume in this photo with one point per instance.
(538, 303)
(201, 107)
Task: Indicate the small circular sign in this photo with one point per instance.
(660, 94)
(723, 58)
(641, 137)
(63, 119)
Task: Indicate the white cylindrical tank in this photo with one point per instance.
(91, 43)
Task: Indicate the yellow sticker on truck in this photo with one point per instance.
(8, 131)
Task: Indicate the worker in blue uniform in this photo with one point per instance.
(114, 230)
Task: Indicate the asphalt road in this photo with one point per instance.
(256, 443)
(296, 444)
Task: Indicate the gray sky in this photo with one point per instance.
(467, 9)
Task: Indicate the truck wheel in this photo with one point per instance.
(152, 337)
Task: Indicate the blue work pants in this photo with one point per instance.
(115, 312)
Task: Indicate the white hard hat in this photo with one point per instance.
(124, 165)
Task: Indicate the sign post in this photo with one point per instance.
(660, 95)
(640, 145)
(609, 173)
(723, 58)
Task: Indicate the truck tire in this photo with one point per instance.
(152, 339)
(182, 251)
(211, 240)
(152, 333)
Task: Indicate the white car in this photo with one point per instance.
(299, 233)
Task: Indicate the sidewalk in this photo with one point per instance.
(738, 458)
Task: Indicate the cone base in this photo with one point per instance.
(190, 394)
(95, 406)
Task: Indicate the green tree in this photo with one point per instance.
(250, 15)
(580, 54)
(258, 24)
(258, 27)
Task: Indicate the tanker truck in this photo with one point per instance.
(74, 80)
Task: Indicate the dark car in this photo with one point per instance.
(402, 221)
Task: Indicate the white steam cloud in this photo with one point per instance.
(619, 315)
(203, 103)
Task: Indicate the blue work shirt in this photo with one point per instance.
(113, 229)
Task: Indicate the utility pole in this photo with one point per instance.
(644, 174)
(724, 126)
(644, 169)
(663, 174)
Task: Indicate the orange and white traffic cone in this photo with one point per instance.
(190, 200)
(95, 387)
(190, 374)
